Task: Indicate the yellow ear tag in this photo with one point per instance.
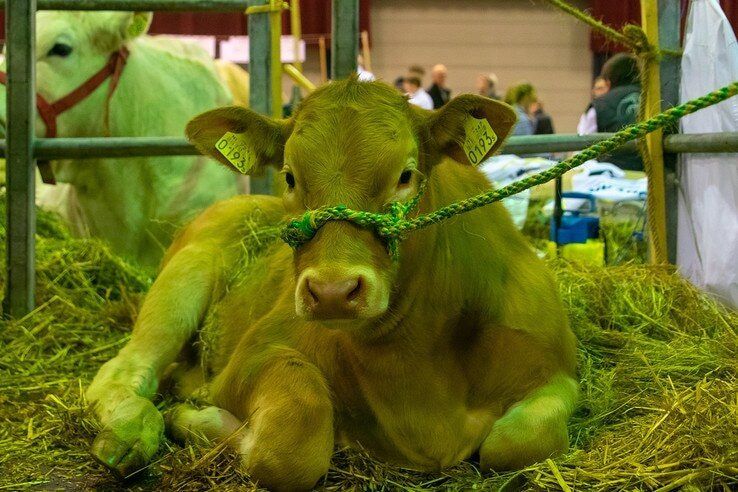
(140, 22)
(479, 139)
(235, 148)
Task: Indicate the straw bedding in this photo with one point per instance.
(658, 367)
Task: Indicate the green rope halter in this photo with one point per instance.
(394, 225)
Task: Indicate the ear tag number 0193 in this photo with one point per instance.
(235, 148)
(479, 139)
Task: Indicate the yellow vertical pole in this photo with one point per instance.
(296, 28)
(275, 33)
(323, 60)
(365, 51)
(651, 86)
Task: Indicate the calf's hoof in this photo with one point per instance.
(130, 438)
(513, 449)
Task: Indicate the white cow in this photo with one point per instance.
(159, 84)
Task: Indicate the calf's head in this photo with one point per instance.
(359, 144)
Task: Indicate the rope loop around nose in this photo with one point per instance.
(387, 225)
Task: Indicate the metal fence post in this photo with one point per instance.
(669, 25)
(20, 26)
(260, 76)
(344, 38)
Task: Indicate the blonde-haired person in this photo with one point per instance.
(522, 97)
(487, 84)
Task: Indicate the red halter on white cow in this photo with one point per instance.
(49, 112)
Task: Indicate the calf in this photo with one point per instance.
(458, 345)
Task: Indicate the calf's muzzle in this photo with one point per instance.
(333, 299)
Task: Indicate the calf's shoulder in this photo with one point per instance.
(226, 223)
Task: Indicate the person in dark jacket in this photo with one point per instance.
(544, 122)
(618, 107)
(438, 91)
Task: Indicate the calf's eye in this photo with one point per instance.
(290, 179)
(405, 177)
(60, 49)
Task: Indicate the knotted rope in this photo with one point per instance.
(631, 36)
(395, 224)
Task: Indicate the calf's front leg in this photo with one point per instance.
(288, 439)
(533, 429)
(121, 392)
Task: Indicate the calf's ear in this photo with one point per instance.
(239, 138)
(459, 128)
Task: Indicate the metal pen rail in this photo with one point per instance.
(119, 147)
(141, 5)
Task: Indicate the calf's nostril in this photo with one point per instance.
(313, 296)
(354, 293)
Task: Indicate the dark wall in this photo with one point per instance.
(315, 19)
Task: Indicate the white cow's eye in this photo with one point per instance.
(60, 49)
(290, 179)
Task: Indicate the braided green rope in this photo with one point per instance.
(394, 225)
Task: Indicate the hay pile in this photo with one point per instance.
(658, 365)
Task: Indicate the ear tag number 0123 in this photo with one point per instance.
(479, 139)
(235, 148)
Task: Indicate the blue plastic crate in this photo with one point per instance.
(575, 226)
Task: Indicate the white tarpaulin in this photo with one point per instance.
(707, 249)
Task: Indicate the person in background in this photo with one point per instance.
(544, 123)
(487, 84)
(364, 75)
(599, 87)
(438, 90)
(618, 107)
(522, 98)
(416, 93)
(588, 124)
(413, 71)
(416, 71)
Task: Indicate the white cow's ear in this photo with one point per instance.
(239, 138)
(135, 24)
(113, 29)
(459, 130)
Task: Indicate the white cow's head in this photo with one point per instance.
(70, 48)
